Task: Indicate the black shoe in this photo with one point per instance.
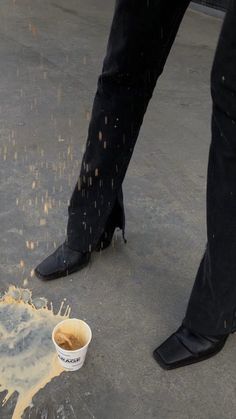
(115, 219)
(185, 347)
(106, 238)
(64, 261)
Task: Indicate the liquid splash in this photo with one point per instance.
(28, 360)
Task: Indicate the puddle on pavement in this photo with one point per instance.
(27, 355)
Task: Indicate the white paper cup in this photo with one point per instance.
(73, 360)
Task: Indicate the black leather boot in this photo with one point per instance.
(64, 261)
(107, 235)
(115, 219)
(105, 239)
(186, 347)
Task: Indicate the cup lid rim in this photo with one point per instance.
(74, 350)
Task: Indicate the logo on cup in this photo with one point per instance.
(69, 361)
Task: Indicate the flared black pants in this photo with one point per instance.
(142, 33)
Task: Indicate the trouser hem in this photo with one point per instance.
(81, 240)
(210, 330)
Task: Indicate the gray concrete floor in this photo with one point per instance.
(132, 295)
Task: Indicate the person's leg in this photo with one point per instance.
(212, 305)
(140, 39)
(141, 36)
(115, 219)
(211, 311)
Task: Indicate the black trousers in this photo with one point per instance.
(142, 33)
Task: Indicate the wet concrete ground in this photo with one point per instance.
(132, 295)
